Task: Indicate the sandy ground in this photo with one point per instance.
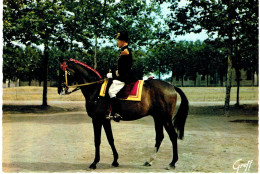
(60, 139)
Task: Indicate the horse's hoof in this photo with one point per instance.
(147, 164)
(115, 164)
(170, 167)
(93, 166)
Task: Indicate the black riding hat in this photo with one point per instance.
(123, 35)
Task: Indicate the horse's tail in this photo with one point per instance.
(181, 115)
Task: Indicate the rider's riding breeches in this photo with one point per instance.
(115, 87)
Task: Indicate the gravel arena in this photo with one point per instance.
(60, 138)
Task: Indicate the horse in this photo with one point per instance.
(158, 100)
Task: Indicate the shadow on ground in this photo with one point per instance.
(20, 109)
(70, 167)
(219, 110)
(47, 167)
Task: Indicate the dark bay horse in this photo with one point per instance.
(158, 100)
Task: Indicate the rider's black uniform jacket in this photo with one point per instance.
(124, 66)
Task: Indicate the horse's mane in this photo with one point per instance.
(86, 66)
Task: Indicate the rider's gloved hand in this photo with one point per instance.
(109, 75)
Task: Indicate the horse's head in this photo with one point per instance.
(72, 71)
(66, 77)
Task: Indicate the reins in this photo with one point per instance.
(86, 84)
(77, 87)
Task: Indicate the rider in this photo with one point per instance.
(123, 75)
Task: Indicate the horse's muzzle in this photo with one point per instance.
(63, 89)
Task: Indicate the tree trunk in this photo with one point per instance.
(229, 71)
(238, 75)
(172, 78)
(45, 74)
(18, 82)
(95, 57)
(207, 77)
(30, 79)
(236, 65)
(228, 85)
(8, 82)
(253, 78)
(221, 80)
(194, 83)
(159, 70)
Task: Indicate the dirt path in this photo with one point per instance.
(53, 140)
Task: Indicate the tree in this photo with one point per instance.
(107, 59)
(246, 42)
(226, 19)
(139, 64)
(67, 29)
(31, 64)
(156, 59)
(34, 22)
(98, 19)
(11, 65)
(188, 59)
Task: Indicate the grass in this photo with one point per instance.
(202, 94)
(219, 93)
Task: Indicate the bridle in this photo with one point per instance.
(66, 87)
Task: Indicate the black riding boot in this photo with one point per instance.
(114, 105)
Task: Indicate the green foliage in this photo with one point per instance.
(61, 25)
(108, 56)
(107, 60)
(21, 64)
(186, 59)
(139, 63)
(67, 29)
(234, 22)
(10, 63)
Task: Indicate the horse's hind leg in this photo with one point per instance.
(110, 138)
(158, 139)
(173, 137)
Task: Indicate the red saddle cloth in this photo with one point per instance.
(132, 91)
(128, 89)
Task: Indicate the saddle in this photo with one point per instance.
(131, 91)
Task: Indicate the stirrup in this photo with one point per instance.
(109, 117)
(115, 117)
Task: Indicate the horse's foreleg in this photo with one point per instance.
(110, 138)
(173, 137)
(158, 139)
(97, 125)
